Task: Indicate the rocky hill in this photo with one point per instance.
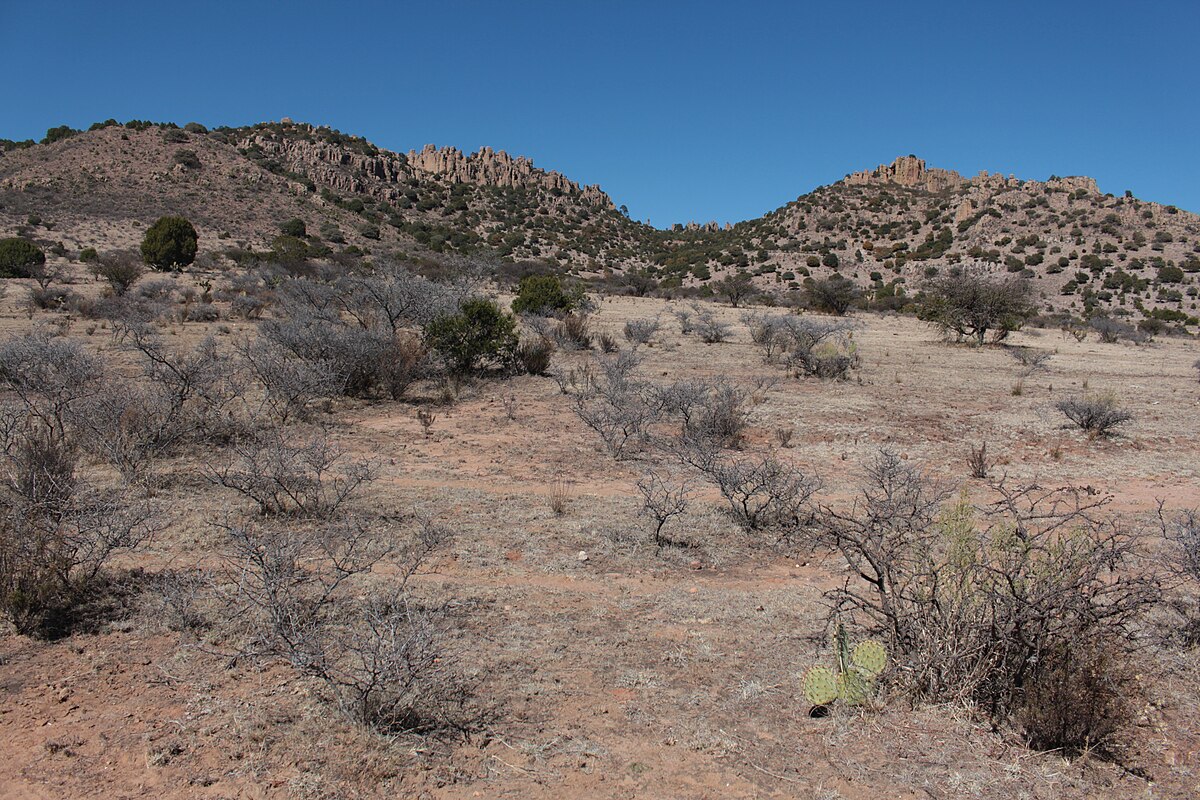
(887, 228)
(891, 227)
(100, 187)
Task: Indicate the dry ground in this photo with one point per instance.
(633, 673)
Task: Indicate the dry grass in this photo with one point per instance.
(635, 672)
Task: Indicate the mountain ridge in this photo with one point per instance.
(886, 228)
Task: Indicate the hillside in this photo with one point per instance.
(891, 227)
(98, 188)
(887, 228)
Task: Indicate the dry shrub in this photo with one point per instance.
(573, 332)
(663, 499)
(1097, 414)
(978, 461)
(308, 477)
(706, 325)
(120, 270)
(306, 596)
(975, 603)
(1082, 697)
(57, 532)
(1030, 359)
(707, 410)
(290, 385)
(534, 355)
(640, 331)
(1182, 533)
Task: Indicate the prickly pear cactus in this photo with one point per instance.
(853, 682)
(820, 686)
(870, 656)
(855, 687)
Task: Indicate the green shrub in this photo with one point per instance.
(1170, 274)
(478, 335)
(18, 258)
(170, 243)
(294, 227)
(187, 159)
(542, 294)
(58, 134)
(88, 255)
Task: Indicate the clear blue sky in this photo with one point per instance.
(680, 110)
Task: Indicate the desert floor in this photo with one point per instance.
(606, 668)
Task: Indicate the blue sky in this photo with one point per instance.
(680, 110)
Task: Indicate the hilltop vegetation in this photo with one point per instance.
(887, 231)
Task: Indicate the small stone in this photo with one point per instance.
(696, 564)
(583, 556)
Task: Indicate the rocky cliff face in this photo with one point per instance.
(489, 167)
(333, 165)
(909, 171)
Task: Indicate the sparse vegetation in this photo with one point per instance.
(1096, 413)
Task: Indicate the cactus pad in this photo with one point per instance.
(820, 685)
(855, 686)
(870, 656)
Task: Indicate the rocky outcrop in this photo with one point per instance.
(909, 171)
(334, 166)
(489, 167)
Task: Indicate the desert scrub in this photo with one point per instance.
(1096, 413)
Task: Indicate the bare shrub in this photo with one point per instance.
(783, 435)
(1097, 413)
(120, 270)
(1112, 330)
(819, 348)
(1030, 359)
(248, 306)
(201, 312)
(57, 533)
(974, 602)
(307, 477)
(763, 493)
(684, 315)
(640, 331)
(304, 596)
(768, 333)
(47, 298)
(1182, 533)
(290, 385)
(48, 375)
(978, 461)
(573, 332)
(560, 493)
(361, 329)
(622, 419)
(607, 343)
(710, 329)
(406, 361)
(711, 410)
(351, 356)
(1083, 698)
(662, 501)
(392, 297)
(615, 405)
